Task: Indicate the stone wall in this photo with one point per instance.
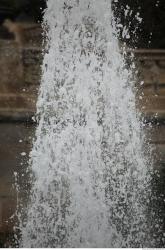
(152, 72)
(15, 144)
(20, 77)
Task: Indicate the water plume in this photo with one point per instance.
(89, 159)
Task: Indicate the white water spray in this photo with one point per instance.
(90, 172)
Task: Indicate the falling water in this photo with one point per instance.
(89, 163)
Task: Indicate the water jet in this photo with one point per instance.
(90, 164)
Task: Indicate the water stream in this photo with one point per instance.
(89, 160)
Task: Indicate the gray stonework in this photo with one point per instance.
(20, 77)
(152, 72)
(15, 139)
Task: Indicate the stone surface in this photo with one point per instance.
(15, 138)
(151, 66)
(20, 76)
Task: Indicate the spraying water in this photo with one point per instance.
(88, 159)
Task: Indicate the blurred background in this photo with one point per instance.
(20, 60)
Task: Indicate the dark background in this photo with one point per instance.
(151, 11)
(153, 21)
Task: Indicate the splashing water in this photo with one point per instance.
(88, 160)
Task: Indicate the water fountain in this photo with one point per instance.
(89, 159)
